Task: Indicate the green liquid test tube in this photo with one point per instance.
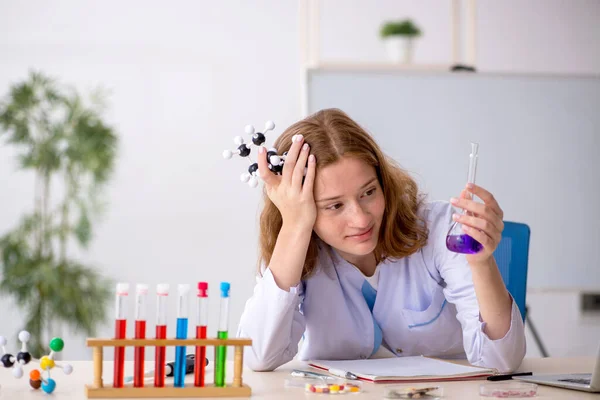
(221, 355)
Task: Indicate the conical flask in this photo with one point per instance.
(457, 240)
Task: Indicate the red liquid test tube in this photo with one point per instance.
(120, 333)
(202, 322)
(160, 361)
(140, 333)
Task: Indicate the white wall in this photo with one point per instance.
(565, 331)
(186, 76)
(349, 29)
(538, 36)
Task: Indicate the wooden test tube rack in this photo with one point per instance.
(236, 389)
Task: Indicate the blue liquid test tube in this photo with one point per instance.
(182, 333)
(221, 353)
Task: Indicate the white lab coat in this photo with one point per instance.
(425, 305)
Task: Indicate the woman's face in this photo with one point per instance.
(350, 206)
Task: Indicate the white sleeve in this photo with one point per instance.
(272, 319)
(504, 354)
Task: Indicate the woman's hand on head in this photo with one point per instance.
(293, 197)
(483, 222)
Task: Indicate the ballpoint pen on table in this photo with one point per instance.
(337, 372)
(506, 377)
(169, 368)
(310, 374)
(342, 374)
(149, 374)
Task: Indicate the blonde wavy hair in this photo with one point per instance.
(332, 134)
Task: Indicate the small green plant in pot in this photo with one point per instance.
(399, 38)
(61, 138)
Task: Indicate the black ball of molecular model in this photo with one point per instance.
(274, 160)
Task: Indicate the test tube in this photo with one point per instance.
(473, 162)
(182, 328)
(120, 333)
(162, 291)
(221, 351)
(202, 322)
(141, 293)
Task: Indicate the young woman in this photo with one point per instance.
(355, 262)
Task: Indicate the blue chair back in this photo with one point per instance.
(511, 256)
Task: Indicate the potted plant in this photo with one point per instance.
(399, 39)
(61, 138)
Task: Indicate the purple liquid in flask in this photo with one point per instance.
(456, 240)
(464, 244)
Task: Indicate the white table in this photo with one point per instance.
(270, 385)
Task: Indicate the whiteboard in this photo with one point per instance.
(539, 150)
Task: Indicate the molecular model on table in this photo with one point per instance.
(23, 357)
(274, 160)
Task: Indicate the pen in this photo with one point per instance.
(129, 380)
(169, 368)
(147, 374)
(310, 374)
(342, 373)
(190, 364)
(507, 376)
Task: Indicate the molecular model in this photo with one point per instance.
(274, 160)
(36, 380)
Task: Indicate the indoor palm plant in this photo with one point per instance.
(62, 139)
